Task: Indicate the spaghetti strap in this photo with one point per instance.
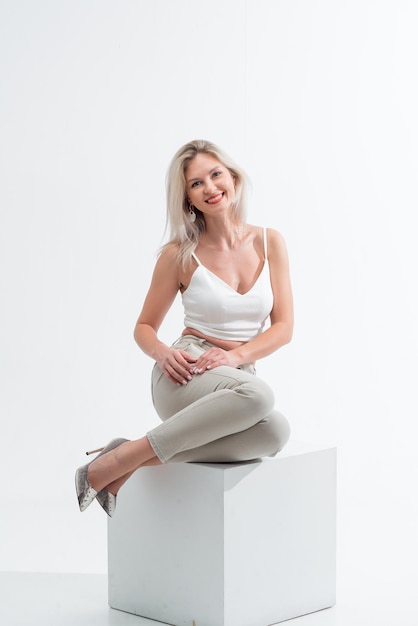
(196, 259)
(265, 242)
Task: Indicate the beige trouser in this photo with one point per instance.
(222, 415)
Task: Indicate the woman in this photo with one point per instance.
(232, 277)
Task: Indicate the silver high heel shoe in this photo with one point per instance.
(85, 492)
(107, 501)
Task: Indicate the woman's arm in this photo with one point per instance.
(163, 289)
(280, 331)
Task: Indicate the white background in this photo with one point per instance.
(317, 100)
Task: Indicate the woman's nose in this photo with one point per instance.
(209, 186)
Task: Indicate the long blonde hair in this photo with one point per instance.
(182, 231)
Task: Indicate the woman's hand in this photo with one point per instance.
(214, 357)
(177, 365)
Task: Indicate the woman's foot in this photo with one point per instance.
(86, 493)
(108, 470)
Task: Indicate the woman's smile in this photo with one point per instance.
(215, 199)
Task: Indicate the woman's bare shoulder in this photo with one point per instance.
(168, 254)
(275, 237)
(170, 248)
(275, 240)
(276, 246)
(170, 265)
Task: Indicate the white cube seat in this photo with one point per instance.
(242, 544)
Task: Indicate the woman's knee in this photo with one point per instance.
(279, 432)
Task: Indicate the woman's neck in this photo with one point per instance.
(223, 233)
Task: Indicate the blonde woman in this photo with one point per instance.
(234, 282)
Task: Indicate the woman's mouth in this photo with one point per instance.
(215, 199)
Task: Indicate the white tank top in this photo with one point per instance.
(215, 309)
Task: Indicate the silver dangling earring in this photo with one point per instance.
(192, 214)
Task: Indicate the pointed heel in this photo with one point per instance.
(94, 451)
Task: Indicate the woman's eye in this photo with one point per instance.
(217, 173)
(196, 183)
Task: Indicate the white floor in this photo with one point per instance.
(28, 599)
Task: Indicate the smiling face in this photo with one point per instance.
(210, 186)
